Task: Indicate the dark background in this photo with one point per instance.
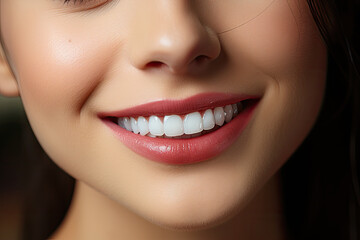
(13, 125)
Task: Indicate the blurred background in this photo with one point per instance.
(13, 132)
(34, 192)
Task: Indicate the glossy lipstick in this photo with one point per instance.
(183, 151)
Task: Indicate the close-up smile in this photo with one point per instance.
(181, 126)
(183, 131)
(180, 119)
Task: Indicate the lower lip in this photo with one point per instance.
(185, 151)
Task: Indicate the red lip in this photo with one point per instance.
(183, 151)
(192, 104)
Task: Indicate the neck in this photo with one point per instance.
(92, 215)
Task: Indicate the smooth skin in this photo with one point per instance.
(68, 64)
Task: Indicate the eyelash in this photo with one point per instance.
(90, 3)
(76, 1)
(73, 1)
(86, 5)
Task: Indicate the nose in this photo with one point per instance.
(169, 35)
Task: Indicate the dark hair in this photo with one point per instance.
(320, 181)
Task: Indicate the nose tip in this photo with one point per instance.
(180, 44)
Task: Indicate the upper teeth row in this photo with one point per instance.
(174, 125)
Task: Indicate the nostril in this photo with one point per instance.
(154, 64)
(196, 62)
(201, 59)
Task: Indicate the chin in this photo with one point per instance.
(191, 223)
(194, 214)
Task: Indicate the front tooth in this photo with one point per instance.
(173, 126)
(143, 126)
(134, 125)
(193, 123)
(228, 113)
(156, 127)
(235, 108)
(208, 120)
(219, 116)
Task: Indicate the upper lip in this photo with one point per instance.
(194, 103)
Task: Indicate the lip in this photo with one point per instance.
(194, 103)
(183, 151)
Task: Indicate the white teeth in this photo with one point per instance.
(143, 126)
(126, 123)
(156, 127)
(134, 125)
(219, 116)
(173, 126)
(208, 120)
(120, 122)
(228, 113)
(193, 123)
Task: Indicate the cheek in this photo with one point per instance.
(282, 40)
(59, 69)
(284, 45)
(57, 65)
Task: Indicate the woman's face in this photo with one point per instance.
(76, 61)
